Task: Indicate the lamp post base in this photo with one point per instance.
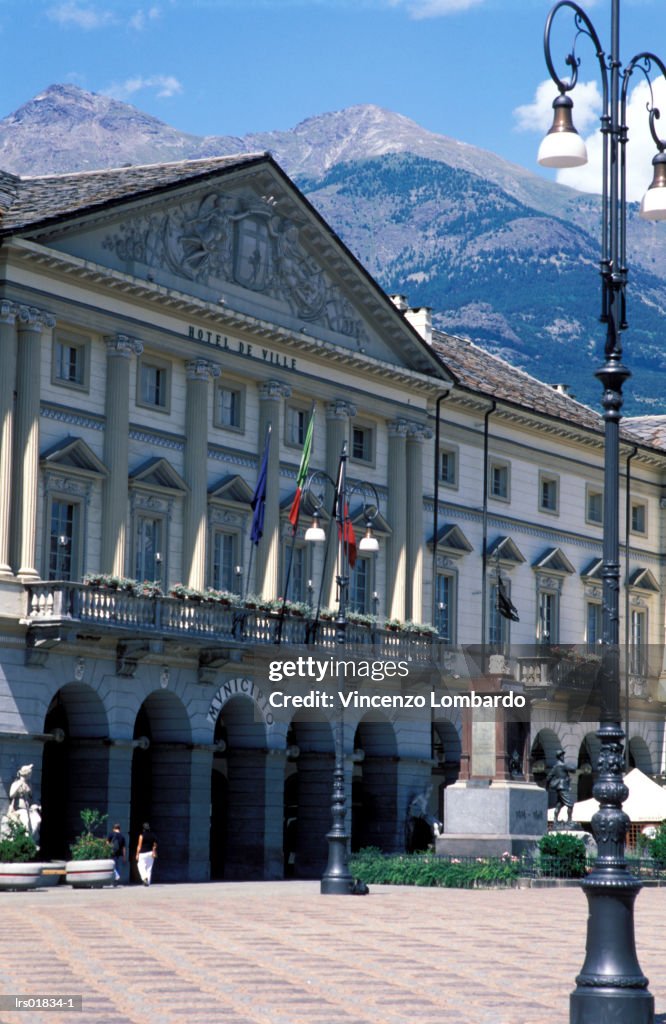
(611, 986)
(336, 880)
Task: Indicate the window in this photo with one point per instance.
(148, 548)
(229, 408)
(362, 443)
(445, 607)
(297, 589)
(594, 505)
(548, 626)
(63, 536)
(638, 642)
(153, 384)
(548, 493)
(594, 626)
(297, 418)
(638, 518)
(498, 625)
(448, 467)
(498, 482)
(225, 561)
(70, 361)
(360, 597)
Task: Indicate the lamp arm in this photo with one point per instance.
(584, 27)
(644, 62)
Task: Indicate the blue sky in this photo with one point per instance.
(469, 69)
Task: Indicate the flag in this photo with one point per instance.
(504, 606)
(258, 503)
(295, 510)
(349, 537)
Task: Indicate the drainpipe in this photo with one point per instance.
(435, 514)
(627, 637)
(484, 548)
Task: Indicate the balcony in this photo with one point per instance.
(55, 609)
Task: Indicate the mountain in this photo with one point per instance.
(501, 254)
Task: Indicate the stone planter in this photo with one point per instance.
(53, 872)
(20, 876)
(89, 874)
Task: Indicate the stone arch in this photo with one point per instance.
(375, 816)
(75, 772)
(640, 756)
(161, 780)
(588, 758)
(241, 842)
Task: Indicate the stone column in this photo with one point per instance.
(398, 499)
(416, 435)
(267, 565)
(8, 313)
(119, 350)
(338, 414)
(25, 477)
(198, 372)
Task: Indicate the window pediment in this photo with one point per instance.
(553, 560)
(505, 551)
(452, 541)
(158, 474)
(72, 455)
(642, 579)
(231, 490)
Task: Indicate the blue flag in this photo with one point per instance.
(258, 503)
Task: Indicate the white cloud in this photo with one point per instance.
(88, 18)
(419, 9)
(537, 116)
(165, 85)
(141, 18)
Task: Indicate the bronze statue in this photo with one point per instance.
(558, 781)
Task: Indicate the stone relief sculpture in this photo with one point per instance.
(21, 808)
(239, 238)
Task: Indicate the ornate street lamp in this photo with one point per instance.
(337, 879)
(611, 985)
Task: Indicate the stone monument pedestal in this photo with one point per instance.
(489, 817)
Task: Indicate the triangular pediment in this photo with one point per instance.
(505, 550)
(73, 454)
(158, 473)
(592, 571)
(553, 560)
(452, 540)
(231, 490)
(642, 579)
(238, 235)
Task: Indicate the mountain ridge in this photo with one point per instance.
(500, 253)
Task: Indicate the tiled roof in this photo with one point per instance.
(650, 429)
(26, 202)
(481, 372)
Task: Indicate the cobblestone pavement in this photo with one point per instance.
(280, 953)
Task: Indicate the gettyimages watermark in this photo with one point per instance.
(401, 680)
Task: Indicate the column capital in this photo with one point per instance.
(397, 428)
(273, 391)
(340, 409)
(418, 432)
(32, 319)
(201, 370)
(8, 312)
(123, 345)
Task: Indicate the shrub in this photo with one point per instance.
(373, 866)
(562, 855)
(89, 846)
(657, 846)
(18, 846)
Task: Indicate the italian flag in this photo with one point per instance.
(295, 510)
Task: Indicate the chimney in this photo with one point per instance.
(400, 302)
(421, 321)
(562, 389)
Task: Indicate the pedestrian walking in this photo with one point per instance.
(118, 851)
(146, 852)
